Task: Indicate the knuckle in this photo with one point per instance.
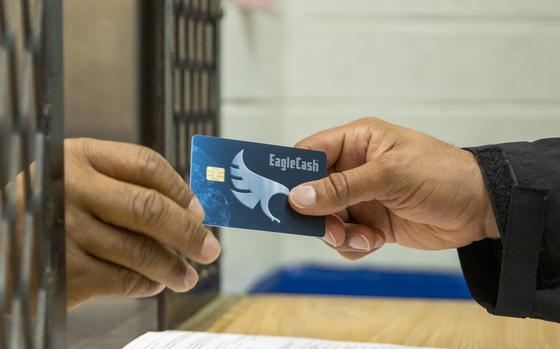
(132, 283)
(148, 207)
(193, 235)
(72, 223)
(77, 226)
(371, 120)
(180, 191)
(136, 285)
(80, 268)
(145, 254)
(151, 162)
(87, 146)
(72, 183)
(337, 188)
(82, 145)
(178, 268)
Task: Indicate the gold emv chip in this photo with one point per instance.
(215, 174)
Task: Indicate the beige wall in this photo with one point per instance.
(100, 54)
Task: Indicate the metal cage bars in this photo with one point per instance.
(32, 287)
(180, 98)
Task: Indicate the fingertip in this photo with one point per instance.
(379, 241)
(318, 198)
(362, 239)
(191, 278)
(359, 242)
(303, 197)
(329, 238)
(352, 256)
(302, 146)
(188, 281)
(211, 249)
(378, 238)
(335, 233)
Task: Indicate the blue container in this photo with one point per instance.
(324, 280)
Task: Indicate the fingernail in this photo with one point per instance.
(304, 196)
(329, 238)
(196, 208)
(359, 242)
(379, 242)
(191, 277)
(210, 248)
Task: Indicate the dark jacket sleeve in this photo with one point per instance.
(519, 274)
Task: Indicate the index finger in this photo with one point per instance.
(138, 165)
(329, 141)
(150, 213)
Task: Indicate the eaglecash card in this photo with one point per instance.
(246, 185)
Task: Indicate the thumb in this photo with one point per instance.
(341, 189)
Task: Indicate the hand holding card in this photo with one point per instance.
(246, 185)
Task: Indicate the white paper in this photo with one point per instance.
(202, 340)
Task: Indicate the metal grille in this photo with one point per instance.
(32, 293)
(195, 74)
(180, 99)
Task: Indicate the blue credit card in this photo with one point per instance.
(246, 185)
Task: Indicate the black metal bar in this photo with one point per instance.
(54, 277)
(4, 134)
(151, 39)
(180, 97)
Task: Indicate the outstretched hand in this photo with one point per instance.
(389, 184)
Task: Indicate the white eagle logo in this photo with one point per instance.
(251, 188)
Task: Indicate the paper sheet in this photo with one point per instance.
(200, 340)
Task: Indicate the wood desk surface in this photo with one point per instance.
(444, 324)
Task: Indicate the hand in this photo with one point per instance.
(130, 222)
(389, 184)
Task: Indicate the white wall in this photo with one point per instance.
(469, 72)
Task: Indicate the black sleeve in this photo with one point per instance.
(519, 274)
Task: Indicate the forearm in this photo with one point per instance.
(13, 236)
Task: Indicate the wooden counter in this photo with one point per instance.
(445, 324)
